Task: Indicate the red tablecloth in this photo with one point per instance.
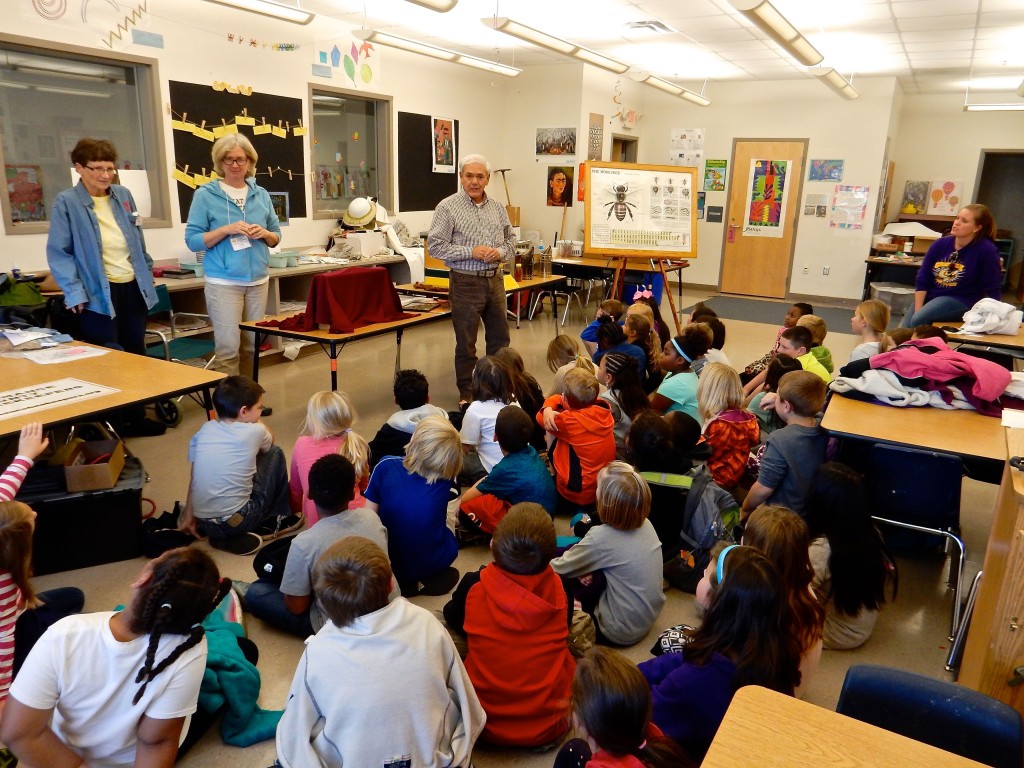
(346, 300)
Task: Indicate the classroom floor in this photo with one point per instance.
(911, 633)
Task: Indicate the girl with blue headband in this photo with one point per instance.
(678, 390)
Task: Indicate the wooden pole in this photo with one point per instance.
(561, 231)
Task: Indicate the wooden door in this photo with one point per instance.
(764, 203)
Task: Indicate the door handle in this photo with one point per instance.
(1017, 678)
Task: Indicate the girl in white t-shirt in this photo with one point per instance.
(116, 689)
(869, 321)
(492, 391)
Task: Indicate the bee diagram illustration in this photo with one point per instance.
(620, 206)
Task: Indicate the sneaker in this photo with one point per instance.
(280, 526)
(470, 537)
(242, 544)
(439, 583)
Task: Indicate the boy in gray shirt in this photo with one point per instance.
(293, 606)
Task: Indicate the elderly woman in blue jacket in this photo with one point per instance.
(97, 255)
(233, 220)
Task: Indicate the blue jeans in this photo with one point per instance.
(265, 600)
(268, 501)
(935, 311)
(127, 329)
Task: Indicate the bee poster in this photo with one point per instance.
(640, 210)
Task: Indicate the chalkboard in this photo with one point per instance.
(419, 188)
(193, 104)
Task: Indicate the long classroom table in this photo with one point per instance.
(137, 379)
(333, 343)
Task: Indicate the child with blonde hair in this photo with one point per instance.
(563, 355)
(327, 429)
(639, 333)
(819, 331)
(616, 568)
(730, 430)
(869, 321)
(411, 495)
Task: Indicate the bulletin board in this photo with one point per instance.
(419, 188)
(635, 210)
(276, 134)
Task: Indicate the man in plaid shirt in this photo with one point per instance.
(472, 234)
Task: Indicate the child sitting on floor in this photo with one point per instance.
(615, 569)
(819, 331)
(381, 684)
(796, 342)
(492, 391)
(412, 396)
(520, 476)
(869, 321)
(753, 375)
(515, 616)
(581, 428)
(563, 355)
(326, 430)
(612, 308)
(730, 430)
(767, 419)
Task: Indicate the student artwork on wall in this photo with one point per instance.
(559, 186)
(849, 205)
(686, 146)
(443, 140)
(767, 198)
(944, 198)
(201, 114)
(25, 192)
(556, 141)
(110, 25)
(915, 197)
(714, 175)
(595, 139)
(280, 202)
(356, 63)
(825, 170)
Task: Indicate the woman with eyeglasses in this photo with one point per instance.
(233, 220)
(98, 257)
(958, 270)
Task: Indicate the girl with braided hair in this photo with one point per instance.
(116, 689)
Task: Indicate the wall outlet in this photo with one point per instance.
(806, 270)
(824, 270)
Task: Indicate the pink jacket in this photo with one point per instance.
(942, 365)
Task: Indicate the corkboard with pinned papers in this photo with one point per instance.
(274, 124)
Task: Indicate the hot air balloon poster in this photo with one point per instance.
(945, 198)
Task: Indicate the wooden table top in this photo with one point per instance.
(632, 265)
(965, 433)
(539, 281)
(766, 729)
(139, 379)
(374, 329)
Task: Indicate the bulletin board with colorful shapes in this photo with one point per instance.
(201, 114)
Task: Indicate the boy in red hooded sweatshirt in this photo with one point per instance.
(581, 434)
(515, 616)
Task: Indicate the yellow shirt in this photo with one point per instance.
(810, 363)
(114, 247)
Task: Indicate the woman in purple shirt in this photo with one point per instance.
(959, 270)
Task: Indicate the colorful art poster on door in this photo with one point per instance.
(944, 198)
(766, 198)
(714, 175)
(849, 205)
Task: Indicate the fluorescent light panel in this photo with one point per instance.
(676, 90)
(435, 52)
(835, 81)
(767, 18)
(994, 107)
(441, 6)
(71, 92)
(269, 8)
(552, 43)
(1020, 88)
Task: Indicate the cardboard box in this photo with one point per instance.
(94, 466)
(922, 243)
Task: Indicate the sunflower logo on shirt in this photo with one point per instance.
(947, 273)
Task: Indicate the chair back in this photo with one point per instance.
(163, 301)
(915, 486)
(942, 714)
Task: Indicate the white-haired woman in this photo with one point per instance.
(233, 220)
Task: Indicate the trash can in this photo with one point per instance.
(899, 297)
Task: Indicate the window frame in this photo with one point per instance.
(383, 134)
(148, 85)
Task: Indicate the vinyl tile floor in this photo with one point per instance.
(911, 633)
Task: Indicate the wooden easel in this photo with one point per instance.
(621, 264)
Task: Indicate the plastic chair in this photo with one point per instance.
(943, 714)
(166, 339)
(919, 491)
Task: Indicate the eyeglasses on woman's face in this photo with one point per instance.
(235, 160)
(101, 170)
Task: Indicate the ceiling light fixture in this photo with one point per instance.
(673, 89)
(71, 91)
(441, 6)
(994, 107)
(435, 52)
(835, 81)
(767, 18)
(269, 8)
(552, 43)
(1020, 88)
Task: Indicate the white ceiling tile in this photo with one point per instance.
(939, 47)
(935, 23)
(934, 8)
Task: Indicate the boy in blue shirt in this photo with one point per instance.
(520, 476)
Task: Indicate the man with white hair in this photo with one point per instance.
(471, 233)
